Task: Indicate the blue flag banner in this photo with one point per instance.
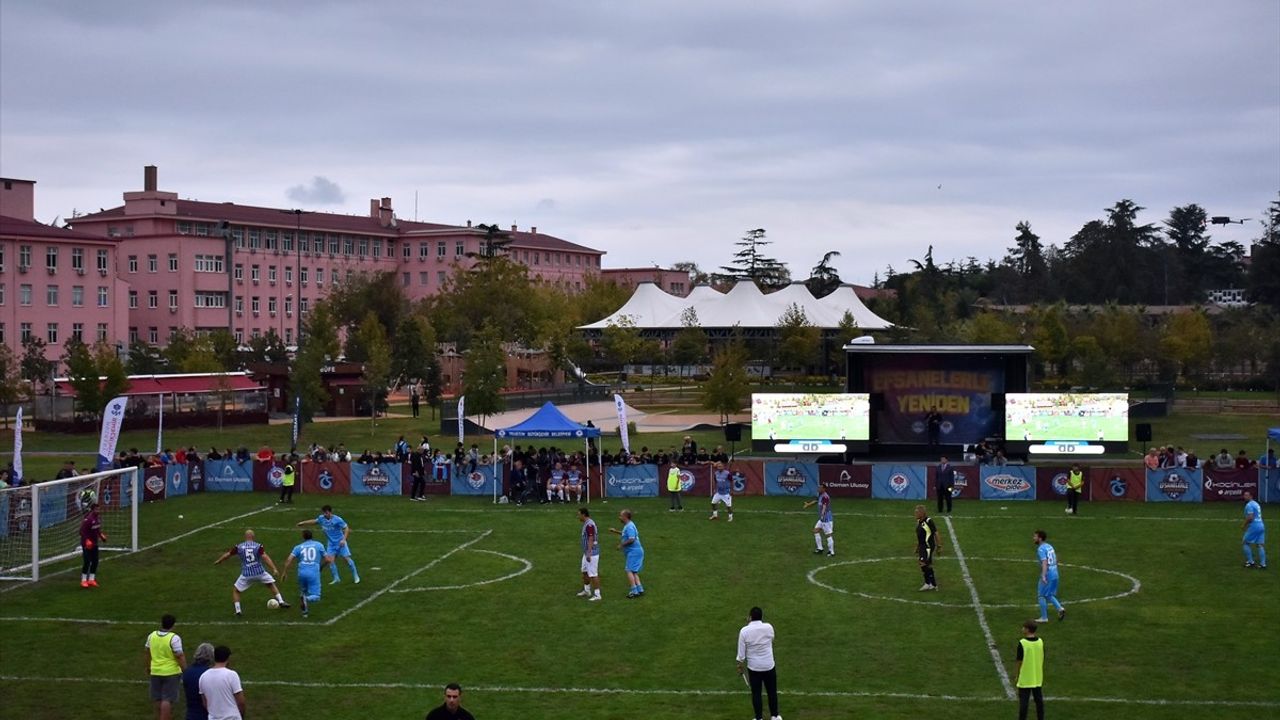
(1175, 485)
(791, 478)
(228, 476)
(176, 479)
(631, 481)
(1008, 482)
(899, 482)
(478, 482)
(112, 421)
(376, 478)
(297, 420)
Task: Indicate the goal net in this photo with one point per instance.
(40, 524)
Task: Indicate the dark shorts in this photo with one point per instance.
(925, 555)
(166, 687)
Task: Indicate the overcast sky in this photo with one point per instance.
(660, 130)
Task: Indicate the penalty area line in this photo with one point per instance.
(409, 576)
(702, 692)
(980, 612)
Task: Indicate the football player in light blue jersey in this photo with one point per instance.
(555, 484)
(723, 480)
(1047, 588)
(252, 556)
(573, 483)
(310, 555)
(1255, 533)
(632, 552)
(336, 531)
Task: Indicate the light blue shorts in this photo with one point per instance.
(635, 561)
(1049, 588)
(333, 550)
(1255, 534)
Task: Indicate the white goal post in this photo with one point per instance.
(40, 523)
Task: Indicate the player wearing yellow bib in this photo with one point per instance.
(1030, 671)
(165, 663)
(1075, 486)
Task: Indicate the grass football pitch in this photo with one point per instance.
(1162, 620)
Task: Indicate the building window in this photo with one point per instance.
(255, 274)
(254, 305)
(153, 263)
(184, 227)
(77, 296)
(303, 304)
(254, 239)
(288, 304)
(51, 295)
(173, 262)
(133, 335)
(333, 244)
(333, 276)
(348, 245)
(423, 249)
(459, 248)
(173, 299)
(406, 251)
(404, 279)
(440, 276)
(288, 274)
(302, 275)
(271, 274)
(24, 332)
(237, 236)
(77, 259)
(77, 332)
(317, 243)
(202, 229)
(102, 332)
(102, 261)
(362, 249)
(210, 300)
(24, 256)
(52, 333)
(239, 304)
(286, 241)
(271, 305)
(208, 264)
(133, 263)
(51, 257)
(377, 248)
(239, 337)
(133, 299)
(238, 272)
(153, 299)
(424, 278)
(153, 335)
(288, 336)
(269, 239)
(1, 293)
(2, 336)
(24, 295)
(319, 277)
(536, 257)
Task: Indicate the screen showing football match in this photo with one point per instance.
(811, 416)
(1090, 417)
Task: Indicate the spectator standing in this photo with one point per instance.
(945, 484)
(673, 487)
(1242, 461)
(165, 663)
(452, 708)
(221, 689)
(1224, 461)
(418, 471)
(414, 400)
(1152, 460)
(202, 660)
(1030, 671)
(755, 658)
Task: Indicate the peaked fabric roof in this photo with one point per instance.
(649, 307)
(548, 422)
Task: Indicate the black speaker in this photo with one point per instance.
(733, 432)
(1143, 431)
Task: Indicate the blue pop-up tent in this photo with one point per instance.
(548, 423)
(1267, 478)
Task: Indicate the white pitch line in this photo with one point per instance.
(1073, 518)
(152, 546)
(409, 576)
(668, 691)
(185, 621)
(362, 530)
(527, 567)
(980, 611)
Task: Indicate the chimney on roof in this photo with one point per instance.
(533, 229)
(513, 227)
(381, 211)
(149, 178)
(468, 223)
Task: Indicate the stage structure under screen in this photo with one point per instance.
(835, 421)
(1083, 417)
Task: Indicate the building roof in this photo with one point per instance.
(179, 384)
(649, 307)
(17, 227)
(874, 348)
(332, 222)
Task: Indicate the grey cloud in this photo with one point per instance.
(321, 191)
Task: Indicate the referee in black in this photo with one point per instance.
(927, 546)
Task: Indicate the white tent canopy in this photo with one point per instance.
(650, 308)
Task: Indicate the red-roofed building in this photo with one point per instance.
(55, 284)
(277, 263)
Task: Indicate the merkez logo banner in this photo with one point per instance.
(1175, 485)
(1009, 482)
(631, 480)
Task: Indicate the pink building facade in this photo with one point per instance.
(276, 263)
(55, 284)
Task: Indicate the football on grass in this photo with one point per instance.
(273, 604)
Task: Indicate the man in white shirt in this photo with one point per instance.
(220, 688)
(755, 651)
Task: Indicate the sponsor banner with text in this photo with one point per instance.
(694, 479)
(1229, 485)
(967, 480)
(631, 480)
(846, 480)
(747, 477)
(1051, 483)
(376, 478)
(797, 479)
(899, 482)
(1010, 482)
(228, 476)
(1106, 484)
(326, 478)
(1175, 485)
(478, 482)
